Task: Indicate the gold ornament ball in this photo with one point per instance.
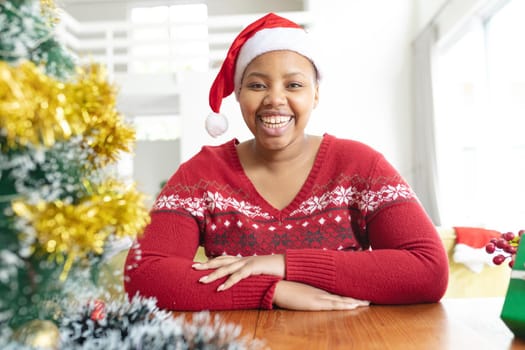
(39, 334)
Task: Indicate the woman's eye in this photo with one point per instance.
(256, 86)
(295, 85)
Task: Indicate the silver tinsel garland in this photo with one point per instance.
(139, 324)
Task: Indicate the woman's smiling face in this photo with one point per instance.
(278, 92)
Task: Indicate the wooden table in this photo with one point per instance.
(471, 324)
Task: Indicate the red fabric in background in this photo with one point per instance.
(475, 237)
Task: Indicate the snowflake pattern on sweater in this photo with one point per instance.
(210, 201)
(364, 200)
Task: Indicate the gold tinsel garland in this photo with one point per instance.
(68, 232)
(38, 109)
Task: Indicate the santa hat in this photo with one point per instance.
(268, 33)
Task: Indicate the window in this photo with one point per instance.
(169, 38)
(480, 123)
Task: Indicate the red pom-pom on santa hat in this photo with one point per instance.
(269, 33)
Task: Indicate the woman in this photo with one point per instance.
(287, 219)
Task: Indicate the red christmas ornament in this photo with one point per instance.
(99, 310)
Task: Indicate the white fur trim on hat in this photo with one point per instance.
(216, 124)
(272, 39)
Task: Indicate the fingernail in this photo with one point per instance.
(203, 279)
(196, 265)
(220, 288)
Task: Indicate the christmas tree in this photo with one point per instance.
(62, 205)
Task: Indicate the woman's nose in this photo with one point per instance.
(274, 97)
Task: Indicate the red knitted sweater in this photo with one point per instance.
(355, 228)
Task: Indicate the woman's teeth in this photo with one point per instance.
(275, 122)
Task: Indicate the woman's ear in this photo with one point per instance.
(316, 96)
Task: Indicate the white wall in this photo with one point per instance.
(366, 91)
(155, 162)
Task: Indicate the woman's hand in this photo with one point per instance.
(299, 296)
(239, 268)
